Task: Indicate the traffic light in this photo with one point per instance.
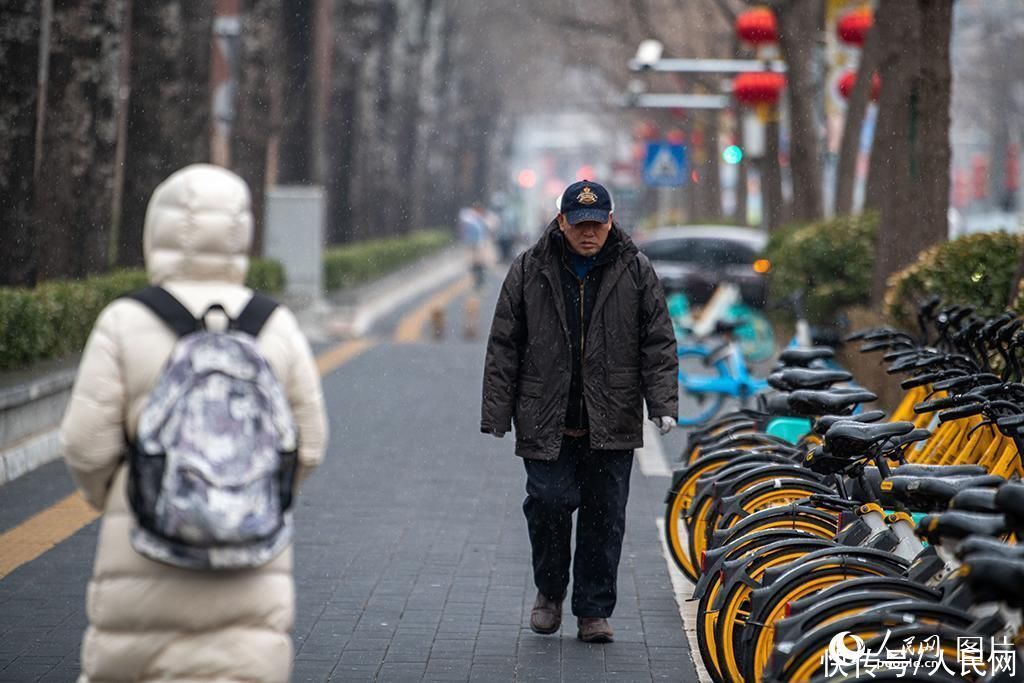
(732, 155)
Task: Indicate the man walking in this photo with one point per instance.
(581, 336)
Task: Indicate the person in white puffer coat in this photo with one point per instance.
(150, 621)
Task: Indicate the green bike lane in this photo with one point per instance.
(412, 558)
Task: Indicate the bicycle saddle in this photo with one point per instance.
(848, 438)
(932, 493)
(913, 470)
(803, 357)
(808, 403)
(995, 579)
(822, 424)
(774, 404)
(870, 488)
(1010, 424)
(980, 545)
(823, 462)
(1010, 499)
(960, 525)
(975, 500)
(806, 378)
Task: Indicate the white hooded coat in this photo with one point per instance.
(149, 621)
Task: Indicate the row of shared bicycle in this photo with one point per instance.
(828, 542)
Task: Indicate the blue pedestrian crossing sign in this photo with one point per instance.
(665, 164)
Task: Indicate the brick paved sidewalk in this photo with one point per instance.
(414, 561)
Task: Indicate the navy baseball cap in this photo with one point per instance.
(586, 201)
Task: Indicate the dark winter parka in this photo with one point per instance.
(628, 353)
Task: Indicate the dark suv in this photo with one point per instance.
(695, 259)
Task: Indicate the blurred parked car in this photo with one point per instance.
(694, 259)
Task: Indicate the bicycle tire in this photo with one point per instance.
(757, 641)
(677, 508)
(766, 494)
(772, 551)
(703, 499)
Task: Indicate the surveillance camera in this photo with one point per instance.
(648, 54)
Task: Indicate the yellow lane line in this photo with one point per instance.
(36, 535)
(411, 327)
(334, 358)
(40, 533)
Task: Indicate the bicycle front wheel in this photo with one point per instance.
(696, 405)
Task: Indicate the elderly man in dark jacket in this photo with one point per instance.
(581, 336)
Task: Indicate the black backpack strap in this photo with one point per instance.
(255, 315)
(168, 309)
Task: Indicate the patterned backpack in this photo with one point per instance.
(212, 466)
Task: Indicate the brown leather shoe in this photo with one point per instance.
(594, 630)
(546, 616)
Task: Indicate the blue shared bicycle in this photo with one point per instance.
(710, 376)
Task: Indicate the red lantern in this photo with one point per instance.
(979, 177)
(849, 78)
(645, 130)
(961, 188)
(757, 26)
(758, 88)
(853, 28)
(675, 137)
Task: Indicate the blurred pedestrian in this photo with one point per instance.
(507, 235)
(164, 619)
(475, 235)
(581, 336)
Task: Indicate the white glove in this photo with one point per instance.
(664, 424)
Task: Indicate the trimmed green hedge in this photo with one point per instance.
(356, 263)
(266, 276)
(54, 318)
(831, 261)
(974, 270)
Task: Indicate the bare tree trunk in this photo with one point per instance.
(169, 110)
(19, 64)
(891, 184)
(294, 158)
(799, 26)
(771, 178)
(259, 61)
(428, 106)
(417, 17)
(441, 200)
(932, 149)
(856, 106)
(354, 25)
(75, 202)
(912, 134)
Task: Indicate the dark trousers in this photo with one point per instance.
(597, 484)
